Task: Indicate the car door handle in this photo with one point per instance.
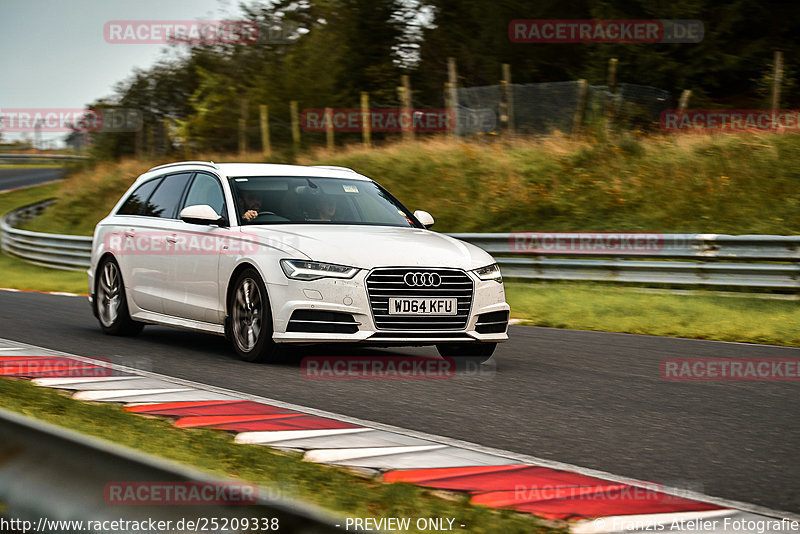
(172, 239)
(129, 233)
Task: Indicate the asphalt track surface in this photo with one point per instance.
(591, 399)
(14, 178)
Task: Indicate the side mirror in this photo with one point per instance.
(200, 214)
(424, 217)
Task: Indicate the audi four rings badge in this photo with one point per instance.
(423, 279)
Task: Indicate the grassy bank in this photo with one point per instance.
(735, 184)
(702, 315)
(284, 474)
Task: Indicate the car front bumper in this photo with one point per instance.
(350, 297)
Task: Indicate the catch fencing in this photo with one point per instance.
(543, 108)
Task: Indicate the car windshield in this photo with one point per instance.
(312, 200)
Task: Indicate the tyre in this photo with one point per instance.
(250, 323)
(473, 352)
(110, 303)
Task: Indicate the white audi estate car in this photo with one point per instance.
(270, 255)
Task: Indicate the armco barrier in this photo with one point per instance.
(49, 474)
(753, 262)
(32, 158)
(49, 250)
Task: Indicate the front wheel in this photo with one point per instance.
(473, 352)
(110, 302)
(250, 324)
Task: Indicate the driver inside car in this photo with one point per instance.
(250, 204)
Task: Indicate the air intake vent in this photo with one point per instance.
(322, 322)
(492, 323)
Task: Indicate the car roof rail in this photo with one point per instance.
(177, 163)
(334, 168)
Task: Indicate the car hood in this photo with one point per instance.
(372, 246)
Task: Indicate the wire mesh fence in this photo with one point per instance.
(543, 108)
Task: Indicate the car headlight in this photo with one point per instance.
(312, 270)
(490, 272)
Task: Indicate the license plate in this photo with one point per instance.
(429, 306)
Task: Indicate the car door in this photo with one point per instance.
(193, 262)
(152, 236)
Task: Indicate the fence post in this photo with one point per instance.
(150, 144)
(138, 142)
(165, 139)
(408, 131)
(295, 125)
(452, 80)
(612, 75)
(243, 128)
(777, 77)
(266, 146)
(329, 128)
(366, 124)
(578, 119)
(612, 90)
(507, 106)
(683, 103)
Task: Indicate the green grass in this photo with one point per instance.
(333, 488)
(20, 197)
(735, 184)
(17, 274)
(704, 315)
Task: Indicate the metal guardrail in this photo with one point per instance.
(49, 474)
(27, 158)
(56, 251)
(755, 262)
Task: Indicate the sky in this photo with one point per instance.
(54, 54)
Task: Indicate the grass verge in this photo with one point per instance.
(704, 315)
(17, 274)
(215, 452)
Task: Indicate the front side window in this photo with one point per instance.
(164, 201)
(297, 200)
(206, 189)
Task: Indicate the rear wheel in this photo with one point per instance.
(110, 302)
(250, 324)
(472, 352)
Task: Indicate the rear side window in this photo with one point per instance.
(135, 203)
(165, 200)
(206, 189)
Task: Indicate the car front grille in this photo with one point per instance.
(386, 283)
